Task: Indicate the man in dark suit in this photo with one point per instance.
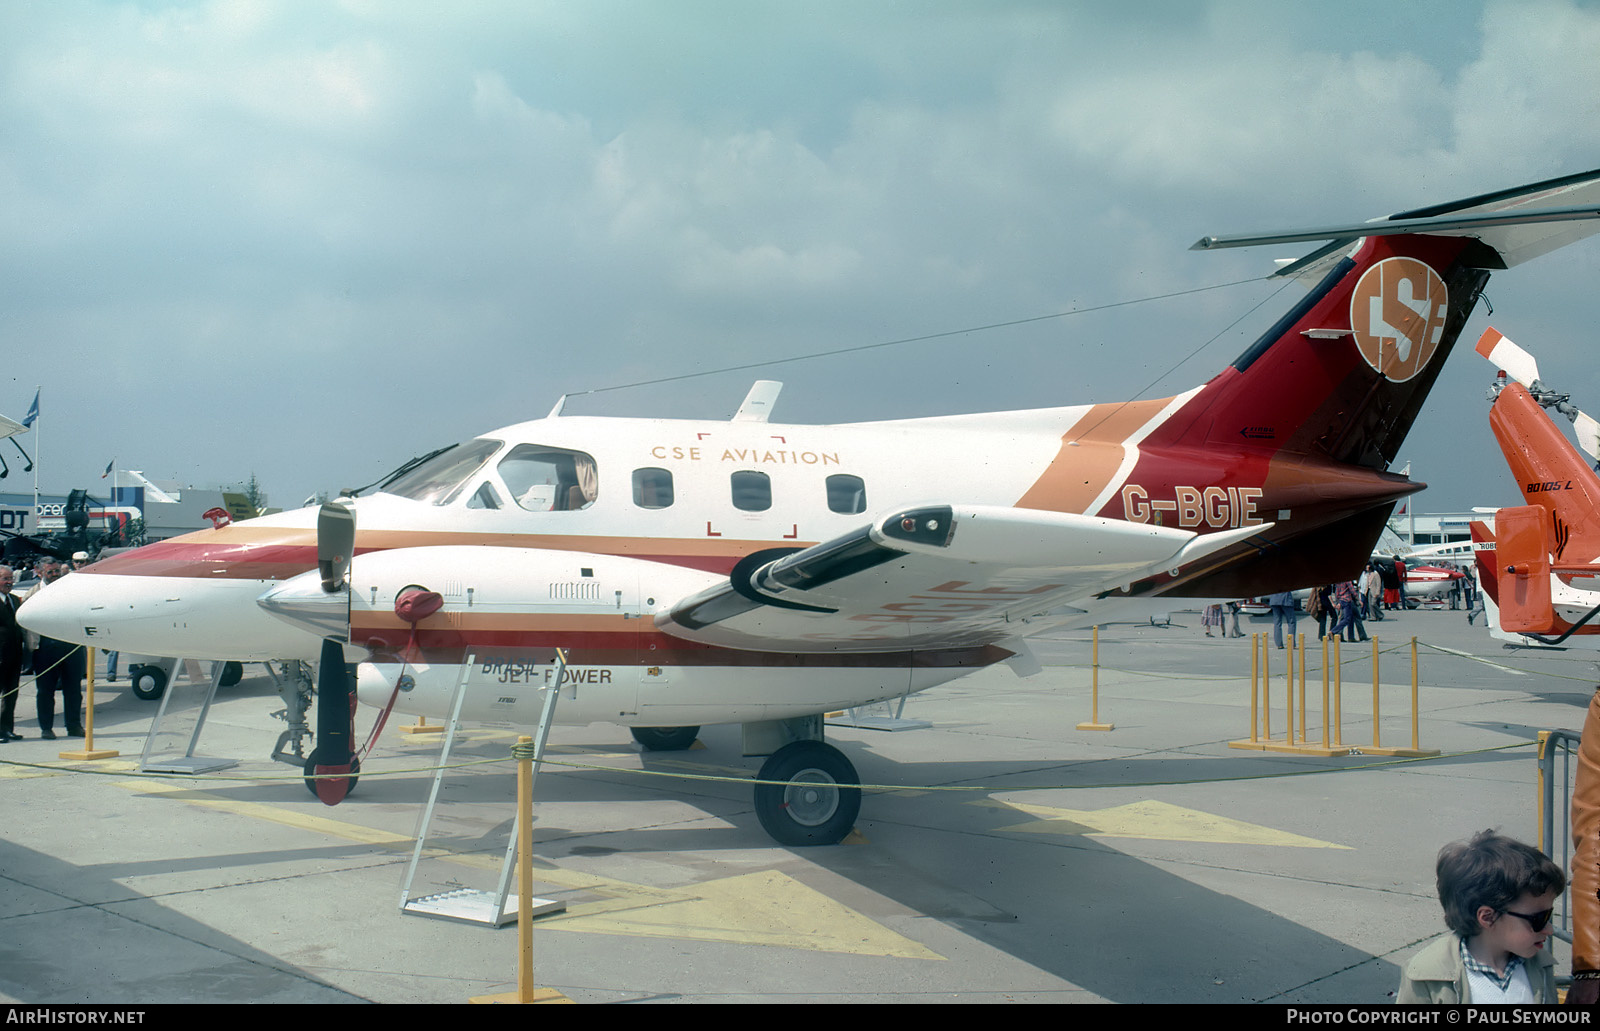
(57, 666)
(13, 650)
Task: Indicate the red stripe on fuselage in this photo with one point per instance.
(279, 555)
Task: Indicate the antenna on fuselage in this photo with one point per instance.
(757, 404)
(561, 402)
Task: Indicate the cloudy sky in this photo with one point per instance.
(309, 240)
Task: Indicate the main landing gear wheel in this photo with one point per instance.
(817, 801)
(311, 774)
(665, 739)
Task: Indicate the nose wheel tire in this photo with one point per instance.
(816, 799)
(665, 739)
(148, 682)
(311, 774)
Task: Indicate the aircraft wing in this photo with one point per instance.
(936, 576)
(10, 428)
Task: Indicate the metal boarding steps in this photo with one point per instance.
(472, 905)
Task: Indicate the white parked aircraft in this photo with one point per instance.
(746, 571)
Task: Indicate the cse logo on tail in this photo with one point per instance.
(1397, 313)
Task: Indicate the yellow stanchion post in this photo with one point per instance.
(1338, 698)
(1288, 695)
(1414, 743)
(1303, 745)
(1375, 744)
(422, 726)
(526, 992)
(1254, 740)
(1258, 694)
(1302, 688)
(1266, 690)
(1415, 751)
(1324, 691)
(1094, 708)
(1261, 689)
(88, 751)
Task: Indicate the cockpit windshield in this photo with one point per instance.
(437, 480)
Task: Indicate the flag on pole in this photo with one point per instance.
(109, 466)
(33, 411)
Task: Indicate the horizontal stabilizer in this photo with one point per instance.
(1511, 226)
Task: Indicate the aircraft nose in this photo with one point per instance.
(162, 615)
(65, 610)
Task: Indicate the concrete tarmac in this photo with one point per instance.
(1016, 858)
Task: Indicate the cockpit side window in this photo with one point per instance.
(547, 479)
(437, 480)
(484, 497)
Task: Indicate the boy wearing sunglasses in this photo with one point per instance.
(1497, 895)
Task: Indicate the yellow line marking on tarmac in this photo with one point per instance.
(700, 767)
(27, 772)
(763, 908)
(270, 813)
(1152, 821)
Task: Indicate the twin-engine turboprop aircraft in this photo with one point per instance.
(744, 571)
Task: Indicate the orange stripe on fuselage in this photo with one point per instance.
(1091, 453)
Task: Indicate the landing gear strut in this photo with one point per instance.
(816, 802)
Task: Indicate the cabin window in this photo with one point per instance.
(847, 494)
(752, 491)
(547, 479)
(438, 480)
(652, 488)
(484, 497)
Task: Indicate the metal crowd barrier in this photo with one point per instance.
(1557, 767)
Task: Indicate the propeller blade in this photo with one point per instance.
(332, 758)
(336, 542)
(1588, 433)
(1517, 363)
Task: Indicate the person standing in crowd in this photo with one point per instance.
(57, 666)
(1349, 619)
(1320, 606)
(13, 650)
(1283, 611)
(1374, 589)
